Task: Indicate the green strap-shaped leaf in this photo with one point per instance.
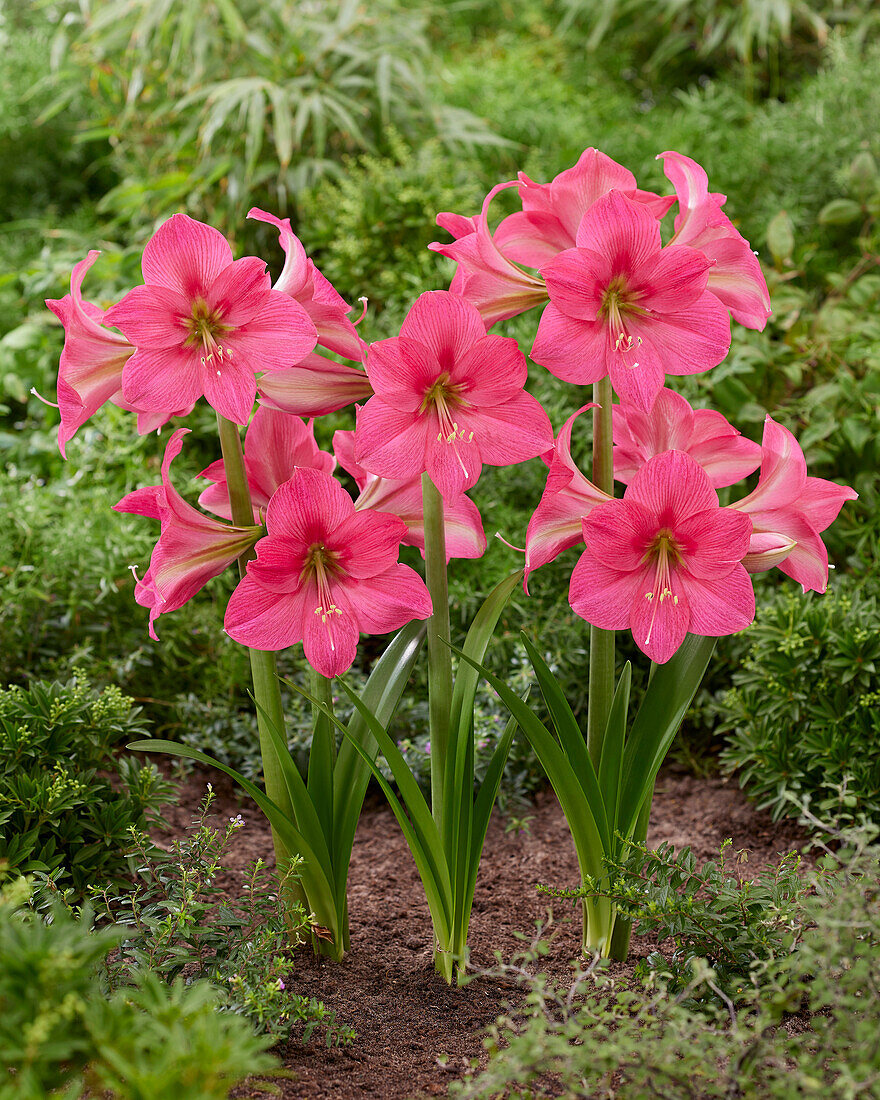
(304, 816)
(316, 877)
(486, 796)
(584, 813)
(611, 761)
(669, 694)
(381, 696)
(459, 778)
(570, 738)
(421, 830)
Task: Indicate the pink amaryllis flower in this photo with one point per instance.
(788, 510)
(622, 305)
(324, 574)
(448, 398)
(205, 324)
(672, 425)
(192, 547)
(92, 362)
(736, 277)
(665, 560)
(315, 293)
(275, 444)
(463, 525)
(90, 371)
(314, 387)
(552, 212)
(486, 275)
(557, 522)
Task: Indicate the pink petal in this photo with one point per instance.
(602, 596)
(675, 280)
(275, 445)
(725, 455)
(307, 507)
(369, 542)
(453, 466)
(343, 448)
(147, 501)
(571, 350)
(240, 291)
(737, 280)
(186, 256)
(391, 443)
(532, 238)
(623, 231)
(152, 317)
(637, 381)
(719, 606)
(672, 487)
(821, 501)
(230, 388)
(660, 618)
(389, 600)
(492, 370)
(618, 533)
(713, 541)
(314, 387)
(688, 341)
(261, 619)
(445, 323)
(294, 277)
(159, 378)
(577, 281)
(330, 638)
(279, 336)
(574, 191)
(783, 474)
(512, 432)
(401, 370)
(766, 550)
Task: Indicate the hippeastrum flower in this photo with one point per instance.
(463, 525)
(665, 560)
(90, 371)
(557, 522)
(324, 573)
(486, 276)
(92, 360)
(275, 444)
(448, 397)
(736, 277)
(205, 324)
(552, 212)
(672, 425)
(788, 510)
(314, 387)
(192, 547)
(622, 305)
(315, 293)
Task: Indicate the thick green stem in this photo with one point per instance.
(266, 689)
(623, 928)
(601, 690)
(439, 653)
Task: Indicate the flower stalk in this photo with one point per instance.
(601, 690)
(267, 693)
(439, 653)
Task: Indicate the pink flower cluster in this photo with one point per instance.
(446, 397)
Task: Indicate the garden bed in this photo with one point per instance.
(414, 1035)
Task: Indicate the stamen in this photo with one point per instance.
(501, 538)
(39, 397)
(364, 301)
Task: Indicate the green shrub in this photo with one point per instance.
(802, 717)
(57, 1028)
(176, 923)
(596, 1037)
(208, 104)
(59, 812)
(739, 926)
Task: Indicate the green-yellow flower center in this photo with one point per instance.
(323, 565)
(206, 329)
(618, 302)
(665, 552)
(443, 397)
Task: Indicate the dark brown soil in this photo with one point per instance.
(414, 1034)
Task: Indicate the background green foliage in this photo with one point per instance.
(59, 812)
(806, 1027)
